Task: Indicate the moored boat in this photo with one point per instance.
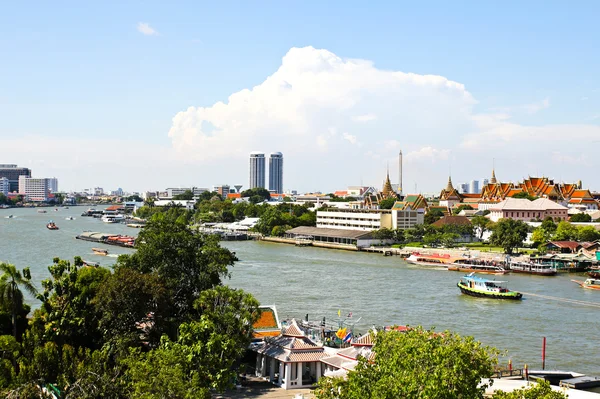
(51, 226)
(594, 272)
(69, 218)
(476, 266)
(484, 288)
(435, 260)
(100, 251)
(590, 283)
(538, 269)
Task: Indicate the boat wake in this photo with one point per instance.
(113, 255)
(566, 300)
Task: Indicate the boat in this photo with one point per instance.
(590, 283)
(538, 269)
(41, 211)
(476, 266)
(51, 225)
(69, 218)
(8, 217)
(90, 263)
(484, 288)
(113, 218)
(100, 251)
(430, 260)
(594, 272)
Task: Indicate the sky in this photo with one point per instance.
(149, 95)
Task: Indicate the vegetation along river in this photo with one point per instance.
(380, 290)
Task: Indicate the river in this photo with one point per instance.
(379, 290)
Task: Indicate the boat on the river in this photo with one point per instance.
(538, 269)
(69, 218)
(100, 251)
(436, 260)
(8, 217)
(51, 225)
(41, 211)
(476, 266)
(594, 272)
(484, 288)
(90, 263)
(590, 283)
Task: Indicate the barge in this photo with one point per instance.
(110, 239)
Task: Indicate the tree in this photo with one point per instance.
(433, 216)
(459, 208)
(417, 364)
(11, 295)
(134, 198)
(383, 234)
(587, 233)
(540, 237)
(525, 195)
(187, 195)
(565, 231)
(509, 234)
(549, 225)
(581, 217)
(387, 203)
(187, 262)
(258, 192)
(480, 225)
(449, 239)
(541, 390)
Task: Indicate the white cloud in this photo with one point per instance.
(302, 108)
(537, 106)
(146, 29)
(364, 118)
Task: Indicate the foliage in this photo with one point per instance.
(525, 195)
(540, 390)
(460, 208)
(540, 236)
(387, 203)
(509, 234)
(481, 225)
(581, 217)
(11, 296)
(565, 231)
(186, 195)
(587, 233)
(549, 225)
(433, 216)
(383, 234)
(260, 194)
(335, 198)
(186, 261)
(286, 216)
(133, 198)
(417, 364)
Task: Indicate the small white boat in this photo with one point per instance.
(69, 218)
(113, 218)
(8, 217)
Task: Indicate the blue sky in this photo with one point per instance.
(79, 75)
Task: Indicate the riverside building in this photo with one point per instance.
(12, 173)
(34, 189)
(276, 172)
(368, 220)
(4, 185)
(257, 170)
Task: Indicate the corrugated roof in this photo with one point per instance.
(540, 204)
(333, 233)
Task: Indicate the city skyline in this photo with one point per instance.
(337, 106)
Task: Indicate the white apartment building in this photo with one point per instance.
(364, 219)
(34, 189)
(4, 185)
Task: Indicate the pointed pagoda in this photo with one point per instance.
(388, 190)
(449, 196)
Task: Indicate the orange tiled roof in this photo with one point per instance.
(263, 334)
(309, 356)
(340, 193)
(234, 195)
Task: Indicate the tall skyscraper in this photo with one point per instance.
(474, 187)
(257, 170)
(276, 172)
(12, 173)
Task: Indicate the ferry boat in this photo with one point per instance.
(477, 266)
(113, 218)
(69, 218)
(480, 287)
(51, 226)
(590, 283)
(533, 268)
(435, 260)
(8, 217)
(100, 251)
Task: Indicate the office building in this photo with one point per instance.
(223, 190)
(53, 184)
(257, 170)
(474, 187)
(4, 185)
(364, 219)
(463, 188)
(12, 173)
(276, 172)
(34, 189)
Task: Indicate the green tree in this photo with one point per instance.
(540, 390)
(540, 237)
(187, 195)
(565, 231)
(524, 195)
(480, 225)
(417, 364)
(187, 262)
(257, 192)
(449, 239)
(399, 235)
(549, 225)
(587, 233)
(11, 296)
(433, 216)
(387, 203)
(383, 234)
(509, 234)
(581, 218)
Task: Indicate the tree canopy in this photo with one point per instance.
(509, 234)
(581, 217)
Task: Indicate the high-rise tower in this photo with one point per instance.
(276, 172)
(257, 170)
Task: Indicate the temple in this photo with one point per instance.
(372, 201)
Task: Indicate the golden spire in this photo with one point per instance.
(449, 187)
(493, 179)
(387, 187)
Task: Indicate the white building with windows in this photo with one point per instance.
(527, 211)
(257, 170)
(276, 172)
(53, 184)
(4, 185)
(34, 189)
(368, 220)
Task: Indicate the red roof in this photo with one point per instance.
(572, 245)
(234, 195)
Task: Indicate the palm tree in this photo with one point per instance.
(10, 291)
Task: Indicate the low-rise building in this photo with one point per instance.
(525, 210)
(189, 205)
(369, 219)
